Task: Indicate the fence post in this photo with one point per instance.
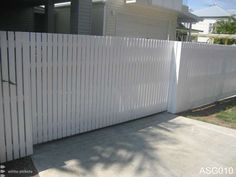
(173, 97)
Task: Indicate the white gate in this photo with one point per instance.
(15, 118)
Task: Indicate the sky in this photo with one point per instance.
(199, 4)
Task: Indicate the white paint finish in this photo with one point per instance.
(3, 148)
(15, 111)
(155, 16)
(175, 5)
(60, 84)
(169, 4)
(19, 81)
(202, 76)
(140, 26)
(68, 85)
(88, 92)
(54, 87)
(44, 87)
(33, 86)
(90, 82)
(12, 78)
(204, 26)
(39, 87)
(74, 78)
(6, 95)
(26, 92)
(50, 88)
(64, 78)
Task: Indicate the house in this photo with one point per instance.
(46, 16)
(210, 16)
(156, 19)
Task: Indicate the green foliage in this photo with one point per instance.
(225, 27)
(228, 115)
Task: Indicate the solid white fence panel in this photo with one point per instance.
(204, 74)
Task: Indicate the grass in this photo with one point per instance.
(228, 115)
(221, 113)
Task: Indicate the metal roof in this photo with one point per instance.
(212, 12)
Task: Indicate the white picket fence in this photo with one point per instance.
(57, 85)
(81, 83)
(15, 109)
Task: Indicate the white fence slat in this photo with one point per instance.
(96, 85)
(6, 95)
(82, 103)
(50, 88)
(99, 80)
(86, 100)
(3, 147)
(60, 84)
(55, 87)
(64, 87)
(19, 81)
(33, 87)
(74, 78)
(44, 88)
(39, 87)
(69, 84)
(12, 78)
(90, 95)
(27, 106)
(78, 84)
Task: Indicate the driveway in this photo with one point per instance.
(163, 145)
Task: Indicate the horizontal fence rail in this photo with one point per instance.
(57, 85)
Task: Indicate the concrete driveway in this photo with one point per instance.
(162, 145)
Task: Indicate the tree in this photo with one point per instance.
(225, 27)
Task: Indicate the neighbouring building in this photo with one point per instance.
(47, 16)
(210, 16)
(156, 19)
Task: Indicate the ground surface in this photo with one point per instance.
(20, 168)
(162, 145)
(221, 113)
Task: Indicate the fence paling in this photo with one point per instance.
(15, 111)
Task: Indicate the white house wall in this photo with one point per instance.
(165, 22)
(205, 27)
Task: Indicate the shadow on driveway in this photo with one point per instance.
(118, 146)
(160, 145)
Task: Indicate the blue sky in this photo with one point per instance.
(198, 4)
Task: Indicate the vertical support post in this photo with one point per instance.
(174, 78)
(49, 11)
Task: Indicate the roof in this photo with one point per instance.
(182, 28)
(212, 12)
(188, 17)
